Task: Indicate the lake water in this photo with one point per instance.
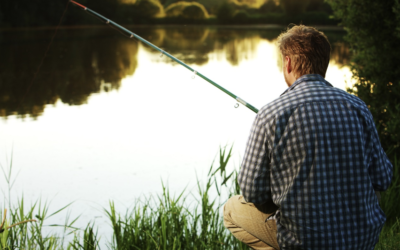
(106, 118)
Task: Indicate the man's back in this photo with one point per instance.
(316, 153)
(313, 161)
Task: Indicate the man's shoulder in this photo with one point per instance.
(309, 92)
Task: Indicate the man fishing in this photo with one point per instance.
(313, 164)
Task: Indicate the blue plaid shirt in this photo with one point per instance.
(316, 153)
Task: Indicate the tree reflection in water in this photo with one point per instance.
(79, 63)
(84, 61)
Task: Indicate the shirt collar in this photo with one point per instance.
(307, 78)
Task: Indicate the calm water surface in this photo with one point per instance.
(107, 118)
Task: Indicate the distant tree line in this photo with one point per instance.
(23, 13)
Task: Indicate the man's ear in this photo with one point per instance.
(288, 64)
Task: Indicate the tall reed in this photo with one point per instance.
(28, 232)
(168, 222)
(182, 221)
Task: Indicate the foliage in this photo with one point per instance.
(33, 13)
(319, 5)
(166, 222)
(294, 7)
(140, 11)
(210, 5)
(373, 34)
(270, 6)
(23, 228)
(187, 10)
(389, 237)
(249, 3)
(170, 223)
(149, 8)
(169, 2)
(241, 15)
(225, 12)
(30, 13)
(90, 240)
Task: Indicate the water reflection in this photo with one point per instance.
(81, 62)
(194, 44)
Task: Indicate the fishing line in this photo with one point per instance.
(44, 56)
(130, 34)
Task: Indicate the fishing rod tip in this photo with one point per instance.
(80, 5)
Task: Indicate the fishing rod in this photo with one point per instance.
(133, 35)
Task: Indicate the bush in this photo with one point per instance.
(373, 34)
(241, 16)
(149, 8)
(225, 12)
(187, 10)
(270, 6)
(293, 7)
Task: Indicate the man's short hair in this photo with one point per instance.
(308, 49)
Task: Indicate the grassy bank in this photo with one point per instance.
(163, 222)
(182, 221)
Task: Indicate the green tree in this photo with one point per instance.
(163, 2)
(270, 6)
(294, 7)
(241, 16)
(210, 5)
(373, 32)
(194, 11)
(187, 10)
(139, 12)
(31, 13)
(149, 8)
(167, 3)
(319, 5)
(1, 18)
(225, 12)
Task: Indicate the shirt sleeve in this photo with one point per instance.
(254, 175)
(380, 169)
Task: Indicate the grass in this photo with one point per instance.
(24, 228)
(183, 221)
(390, 237)
(168, 222)
(162, 222)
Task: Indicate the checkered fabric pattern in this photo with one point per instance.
(316, 153)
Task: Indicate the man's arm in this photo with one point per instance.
(380, 169)
(254, 175)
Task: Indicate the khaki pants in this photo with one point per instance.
(248, 223)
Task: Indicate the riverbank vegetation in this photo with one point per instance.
(164, 222)
(34, 13)
(373, 34)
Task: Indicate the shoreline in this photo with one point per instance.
(229, 26)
